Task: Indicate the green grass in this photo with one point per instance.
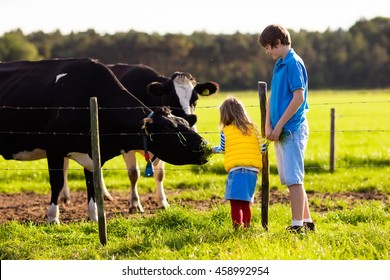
(348, 229)
(361, 233)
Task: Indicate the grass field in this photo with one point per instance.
(347, 227)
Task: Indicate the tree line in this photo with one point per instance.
(355, 58)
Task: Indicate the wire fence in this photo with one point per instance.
(198, 107)
(192, 168)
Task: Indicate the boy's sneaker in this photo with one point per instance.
(301, 229)
(295, 229)
(309, 226)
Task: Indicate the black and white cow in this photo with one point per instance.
(180, 93)
(44, 114)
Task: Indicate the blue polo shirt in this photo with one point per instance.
(289, 75)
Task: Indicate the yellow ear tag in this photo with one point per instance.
(205, 92)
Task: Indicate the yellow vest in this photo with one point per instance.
(240, 149)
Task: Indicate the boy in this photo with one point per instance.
(286, 122)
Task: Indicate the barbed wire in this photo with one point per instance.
(198, 107)
(169, 133)
(349, 103)
(204, 132)
(200, 169)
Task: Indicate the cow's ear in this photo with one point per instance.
(191, 119)
(155, 88)
(207, 88)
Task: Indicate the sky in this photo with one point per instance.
(184, 16)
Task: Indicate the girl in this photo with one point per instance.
(242, 145)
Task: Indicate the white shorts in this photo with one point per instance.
(290, 156)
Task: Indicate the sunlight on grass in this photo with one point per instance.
(347, 228)
(180, 233)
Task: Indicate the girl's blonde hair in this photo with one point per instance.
(232, 111)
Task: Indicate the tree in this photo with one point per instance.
(354, 58)
(15, 46)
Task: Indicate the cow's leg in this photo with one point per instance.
(92, 207)
(85, 161)
(65, 194)
(133, 173)
(106, 193)
(55, 164)
(159, 176)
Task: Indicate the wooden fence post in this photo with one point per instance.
(332, 140)
(97, 171)
(262, 90)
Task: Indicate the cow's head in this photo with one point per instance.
(171, 139)
(181, 92)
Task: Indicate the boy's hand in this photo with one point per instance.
(275, 134)
(268, 132)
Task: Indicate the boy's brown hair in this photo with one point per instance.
(272, 33)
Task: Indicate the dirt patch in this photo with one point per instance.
(29, 206)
